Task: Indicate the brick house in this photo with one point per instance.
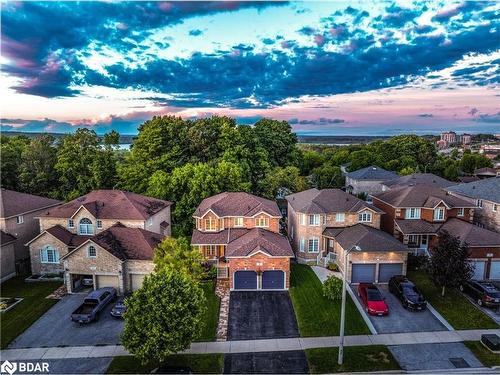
(239, 233)
(67, 227)
(18, 217)
(8, 258)
(416, 214)
(367, 180)
(322, 224)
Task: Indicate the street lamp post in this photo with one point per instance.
(342, 311)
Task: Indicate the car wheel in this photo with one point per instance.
(461, 287)
(480, 302)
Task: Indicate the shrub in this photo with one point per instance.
(416, 262)
(333, 267)
(332, 288)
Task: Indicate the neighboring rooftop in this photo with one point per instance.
(258, 239)
(428, 179)
(111, 204)
(487, 189)
(367, 238)
(372, 173)
(14, 203)
(417, 226)
(471, 234)
(237, 204)
(66, 237)
(314, 201)
(420, 196)
(6, 238)
(487, 171)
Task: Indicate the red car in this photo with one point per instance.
(372, 299)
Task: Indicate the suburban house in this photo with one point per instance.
(18, 218)
(367, 180)
(485, 194)
(416, 214)
(323, 224)
(7, 258)
(239, 234)
(105, 236)
(427, 179)
(486, 172)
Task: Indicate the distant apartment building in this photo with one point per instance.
(466, 139)
(449, 137)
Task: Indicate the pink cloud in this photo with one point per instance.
(319, 40)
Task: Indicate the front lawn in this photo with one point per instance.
(356, 359)
(198, 363)
(34, 304)
(317, 315)
(454, 307)
(212, 314)
(486, 357)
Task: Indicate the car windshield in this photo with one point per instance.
(410, 290)
(374, 295)
(494, 294)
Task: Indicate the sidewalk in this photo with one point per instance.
(245, 346)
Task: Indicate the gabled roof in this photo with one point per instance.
(369, 239)
(417, 226)
(487, 189)
(471, 234)
(258, 239)
(420, 196)
(14, 203)
(111, 204)
(372, 173)
(237, 204)
(428, 179)
(6, 238)
(314, 201)
(66, 237)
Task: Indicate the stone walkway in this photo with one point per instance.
(245, 346)
(223, 292)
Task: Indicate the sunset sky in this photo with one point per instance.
(329, 68)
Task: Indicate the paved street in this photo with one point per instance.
(289, 362)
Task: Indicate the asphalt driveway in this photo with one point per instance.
(400, 319)
(55, 328)
(290, 362)
(261, 315)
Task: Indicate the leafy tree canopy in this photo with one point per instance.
(176, 255)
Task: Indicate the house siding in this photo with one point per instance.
(8, 261)
(46, 239)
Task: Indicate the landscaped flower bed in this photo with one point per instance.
(46, 277)
(8, 303)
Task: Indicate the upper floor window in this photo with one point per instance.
(340, 217)
(412, 213)
(71, 223)
(49, 255)
(439, 213)
(238, 221)
(302, 244)
(313, 245)
(314, 220)
(495, 207)
(20, 219)
(99, 224)
(210, 223)
(479, 203)
(302, 219)
(262, 222)
(365, 217)
(91, 252)
(85, 226)
(460, 211)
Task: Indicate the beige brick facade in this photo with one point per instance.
(46, 240)
(8, 261)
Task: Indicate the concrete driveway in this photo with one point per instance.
(290, 362)
(493, 313)
(427, 357)
(55, 328)
(400, 319)
(261, 315)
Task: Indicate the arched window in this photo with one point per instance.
(49, 255)
(85, 226)
(91, 252)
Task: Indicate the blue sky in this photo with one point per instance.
(327, 67)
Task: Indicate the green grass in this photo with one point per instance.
(356, 359)
(199, 364)
(454, 306)
(486, 357)
(212, 314)
(34, 304)
(317, 315)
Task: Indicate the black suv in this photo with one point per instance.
(483, 292)
(407, 293)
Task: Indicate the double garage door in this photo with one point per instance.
(269, 280)
(366, 273)
(479, 270)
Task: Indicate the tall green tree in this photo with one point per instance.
(176, 255)
(164, 316)
(278, 139)
(287, 178)
(327, 176)
(11, 149)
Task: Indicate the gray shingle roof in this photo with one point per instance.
(372, 173)
(13, 203)
(217, 238)
(257, 239)
(419, 179)
(417, 226)
(6, 238)
(472, 234)
(487, 189)
(237, 204)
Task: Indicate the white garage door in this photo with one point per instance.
(107, 280)
(495, 270)
(479, 268)
(136, 281)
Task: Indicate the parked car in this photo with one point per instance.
(407, 292)
(95, 301)
(119, 308)
(372, 299)
(87, 281)
(483, 292)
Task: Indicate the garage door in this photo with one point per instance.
(388, 270)
(245, 280)
(107, 280)
(495, 270)
(479, 268)
(363, 273)
(136, 281)
(273, 280)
